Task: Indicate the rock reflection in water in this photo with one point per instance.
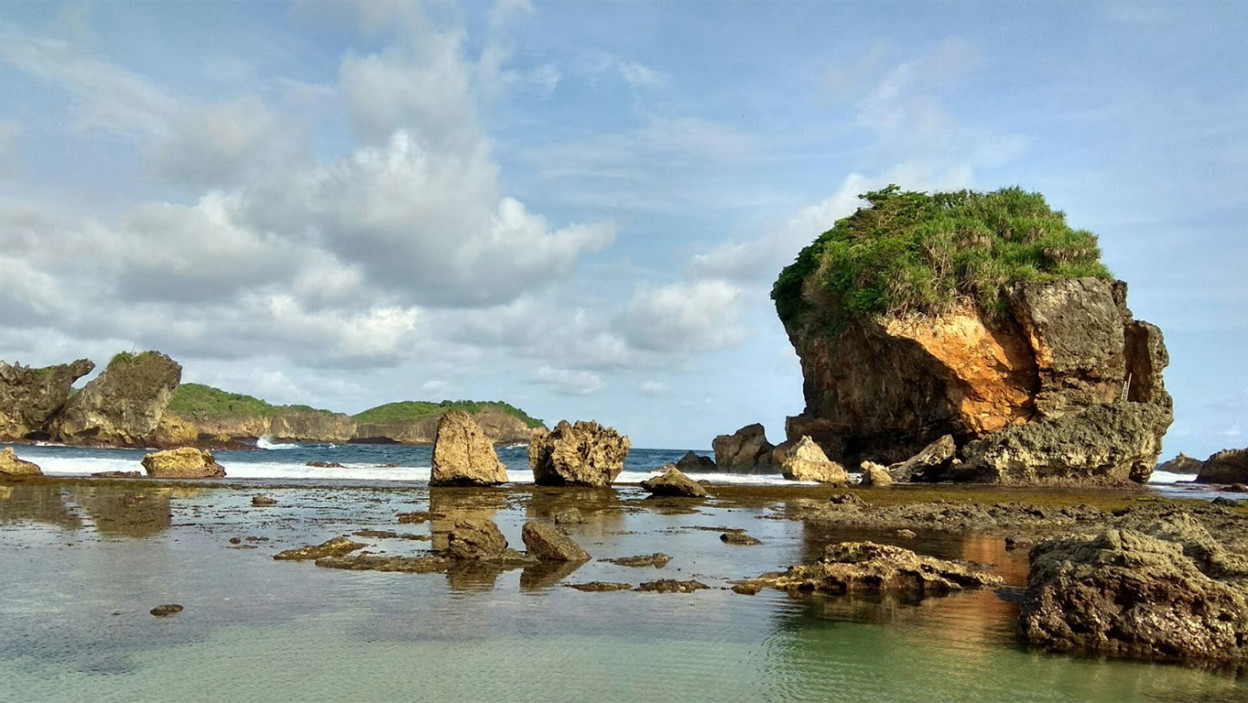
(446, 505)
(126, 512)
(601, 509)
(35, 502)
(547, 574)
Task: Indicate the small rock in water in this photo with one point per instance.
(570, 516)
(324, 465)
(739, 537)
(906, 534)
(1224, 502)
(335, 547)
(1012, 543)
(259, 501)
(236, 540)
(672, 586)
(674, 483)
(161, 611)
(658, 560)
(418, 517)
(600, 586)
(747, 588)
(1236, 488)
(549, 543)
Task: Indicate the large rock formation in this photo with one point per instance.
(584, 454)
(1226, 466)
(10, 465)
(462, 455)
(1067, 355)
(30, 398)
(123, 405)
(746, 450)
(187, 462)
(803, 460)
(1181, 464)
(297, 424)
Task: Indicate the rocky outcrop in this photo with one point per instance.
(803, 460)
(123, 405)
(498, 426)
(1226, 466)
(30, 398)
(929, 464)
(462, 455)
(746, 450)
(695, 462)
(187, 462)
(584, 454)
(291, 424)
(336, 547)
(875, 475)
(1181, 464)
(673, 483)
(10, 465)
(1126, 593)
(866, 567)
(549, 543)
(1066, 353)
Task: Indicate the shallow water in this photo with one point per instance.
(80, 566)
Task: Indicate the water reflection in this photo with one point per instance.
(37, 503)
(600, 508)
(446, 505)
(125, 513)
(546, 574)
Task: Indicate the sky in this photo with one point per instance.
(580, 207)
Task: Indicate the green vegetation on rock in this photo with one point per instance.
(194, 400)
(409, 410)
(129, 358)
(910, 252)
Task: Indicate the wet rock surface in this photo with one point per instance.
(658, 560)
(262, 501)
(673, 483)
(581, 454)
(549, 543)
(866, 567)
(601, 586)
(163, 611)
(671, 586)
(739, 537)
(475, 538)
(10, 465)
(337, 546)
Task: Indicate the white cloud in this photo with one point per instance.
(212, 144)
(569, 382)
(636, 74)
(683, 316)
(652, 387)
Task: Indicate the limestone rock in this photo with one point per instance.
(584, 454)
(739, 537)
(462, 455)
(1226, 466)
(1181, 464)
(866, 567)
(310, 426)
(497, 425)
(186, 462)
(10, 465)
(805, 461)
(672, 586)
(475, 538)
(658, 560)
(549, 543)
(164, 611)
(1125, 593)
(695, 462)
(263, 501)
(929, 464)
(173, 431)
(123, 405)
(746, 450)
(875, 475)
(674, 483)
(30, 398)
(335, 547)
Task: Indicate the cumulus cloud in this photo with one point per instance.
(214, 143)
(683, 316)
(652, 387)
(569, 382)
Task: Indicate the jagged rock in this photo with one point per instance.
(30, 398)
(549, 543)
(866, 567)
(875, 475)
(584, 454)
(885, 388)
(1104, 443)
(123, 405)
(672, 586)
(335, 547)
(1125, 593)
(695, 462)
(173, 431)
(745, 450)
(658, 560)
(475, 538)
(803, 460)
(1181, 464)
(1226, 466)
(462, 455)
(186, 462)
(10, 465)
(674, 483)
(929, 464)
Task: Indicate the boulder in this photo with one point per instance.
(674, 483)
(1226, 466)
(10, 465)
(746, 450)
(875, 475)
(695, 462)
(803, 460)
(30, 398)
(463, 455)
(123, 405)
(1181, 464)
(186, 462)
(475, 538)
(866, 567)
(584, 454)
(1128, 594)
(549, 543)
(929, 464)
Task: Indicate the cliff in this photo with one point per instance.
(413, 422)
(30, 398)
(123, 405)
(980, 316)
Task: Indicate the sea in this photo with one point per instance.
(82, 564)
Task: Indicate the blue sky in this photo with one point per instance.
(580, 207)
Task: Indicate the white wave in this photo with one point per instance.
(267, 442)
(1170, 477)
(83, 465)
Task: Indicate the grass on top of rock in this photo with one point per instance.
(129, 358)
(194, 400)
(409, 410)
(911, 252)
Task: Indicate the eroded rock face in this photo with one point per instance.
(885, 389)
(186, 462)
(31, 398)
(1125, 593)
(463, 455)
(1226, 466)
(803, 460)
(584, 454)
(929, 464)
(673, 483)
(12, 466)
(747, 450)
(123, 405)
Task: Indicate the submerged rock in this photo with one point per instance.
(335, 547)
(695, 462)
(1125, 593)
(600, 586)
(187, 462)
(416, 517)
(739, 537)
(658, 560)
(166, 610)
(583, 454)
(30, 398)
(866, 567)
(10, 465)
(569, 516)
(803, 460)
(674, 483)
(463, 455)
(123, 405)
(262, 501)
(549, 543)
(746, 450)
(672, 586)
(324, 465)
